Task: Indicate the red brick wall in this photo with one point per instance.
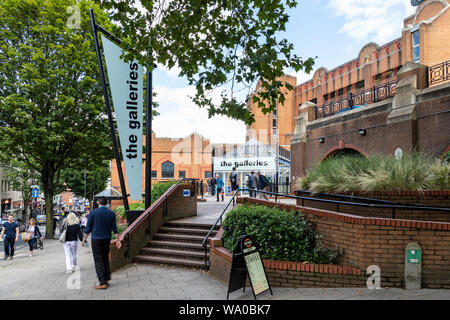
(427, 132)
(433, 119)
(380, 241)
(292, 274)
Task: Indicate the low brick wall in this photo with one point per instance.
(178, 206)
(292, 274)
(377, 241)
(426, 198)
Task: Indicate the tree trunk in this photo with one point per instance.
(49, 189)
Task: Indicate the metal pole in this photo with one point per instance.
(148, 142)
(108, 109)
(84, 197)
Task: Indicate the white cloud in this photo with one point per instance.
(376, 20)
(179, 117)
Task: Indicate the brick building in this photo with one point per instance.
(390, 97)
(176, 158)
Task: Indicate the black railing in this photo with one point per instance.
(357, 198)
(439, 73)
(205, 240)
(356, 100)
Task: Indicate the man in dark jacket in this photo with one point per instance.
(101, 222)
(263, 184)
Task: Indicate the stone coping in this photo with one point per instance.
(354, 219)
(295, 266)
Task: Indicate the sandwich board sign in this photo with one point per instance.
(247, 261)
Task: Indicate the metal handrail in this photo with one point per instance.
(152, 207)
(204, 242)
(392, 206)
(344, 196)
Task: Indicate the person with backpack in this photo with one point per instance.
(234, 180)
(263, 184)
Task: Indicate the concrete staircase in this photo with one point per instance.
(177, 244)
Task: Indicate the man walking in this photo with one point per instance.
(11, 231)
(101, 222)
(263, 184)
(234, 180)
(253, 185)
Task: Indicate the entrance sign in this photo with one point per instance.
(126, 82)
(247, 261)
(245, 164)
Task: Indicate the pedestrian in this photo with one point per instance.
(220, 185)
(11, 231)
(234, 180)
(83, 222)
(208, 185)
(33, 230)
(55, 222)
(73, 234)
(101, 222)
(252, 184)
(263, 185)
(213, 186)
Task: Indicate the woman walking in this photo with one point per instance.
(73, 234)
(83, 223)
(33, 230)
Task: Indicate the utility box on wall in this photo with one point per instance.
(413, 266)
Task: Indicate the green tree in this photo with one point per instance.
(215, 43)
(96, 179)
(51, 104)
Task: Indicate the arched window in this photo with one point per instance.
(167, 170)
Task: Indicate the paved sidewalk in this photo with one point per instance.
(42, 277)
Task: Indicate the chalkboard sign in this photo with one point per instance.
(247, 261)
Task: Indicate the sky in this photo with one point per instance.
(334, 31)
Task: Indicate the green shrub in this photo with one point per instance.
(157, 191)
(280, 235)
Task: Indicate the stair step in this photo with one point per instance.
(170, 261)
(192, 231)
(177, 237)
(172, 252)
(190, 225)
(175, 244)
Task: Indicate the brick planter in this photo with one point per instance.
(365, 241)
